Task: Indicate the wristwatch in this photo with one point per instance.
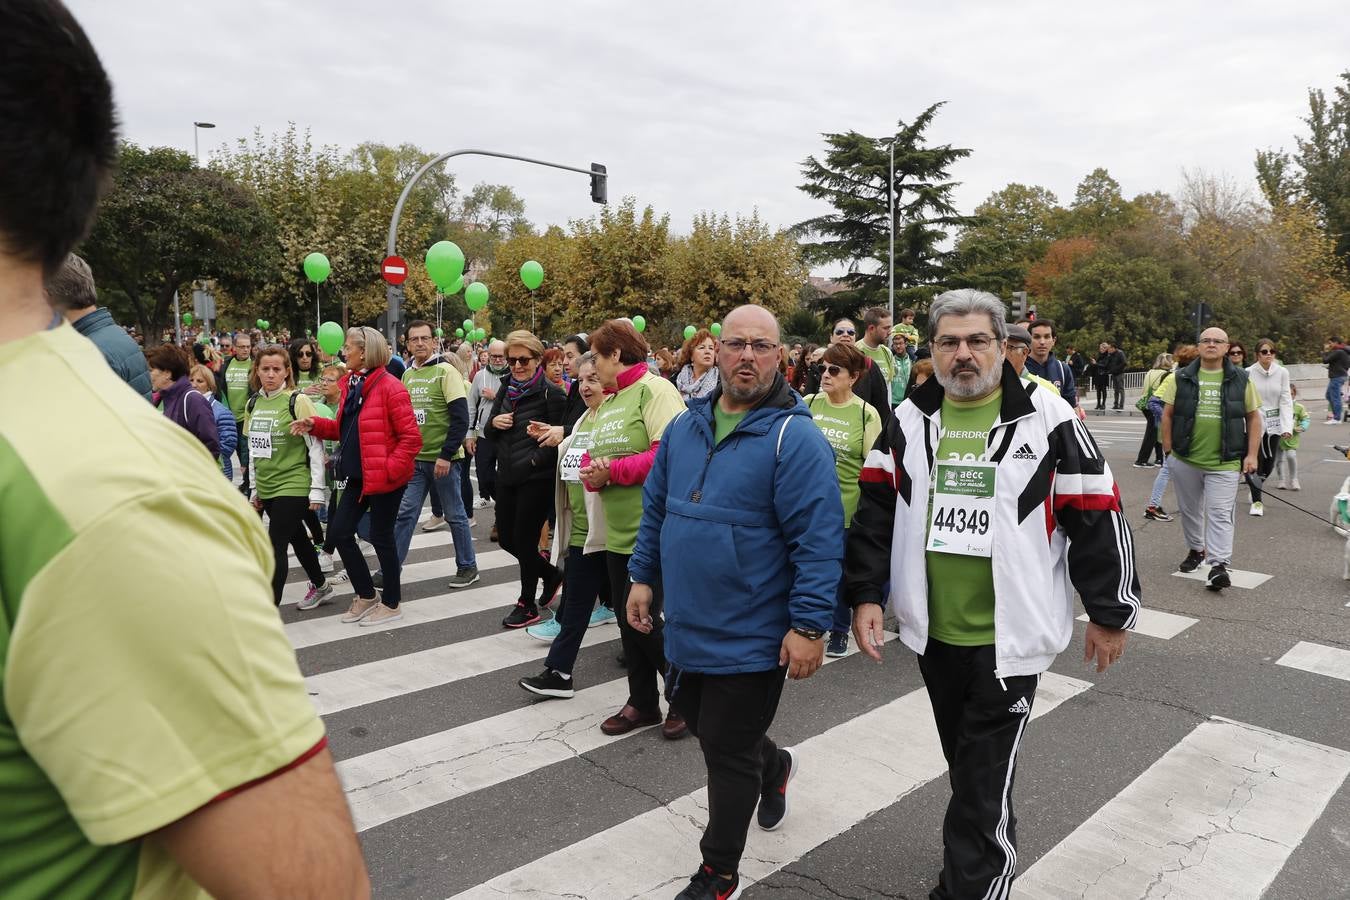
(811, 634)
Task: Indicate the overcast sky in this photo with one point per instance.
(712, 106)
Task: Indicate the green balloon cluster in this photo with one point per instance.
(689, 331)
(330, 338)
(445, 263)
(440, 332)
(476, 296)
(455, 287)
(468, 325)
(187, 318)
(317, 267)
(640, 324)
(263, 324)
(716, 329)
(531, 274)
(459, 332)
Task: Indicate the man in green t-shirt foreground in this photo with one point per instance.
(1211, 427)
(170, 751)
(982, 536)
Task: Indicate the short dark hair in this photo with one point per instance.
(846, 356)
(616, 334)
(60, 132)
(168, 357)
(1033, 324)
(872, 317)
(579, 339)
(906, 312)
(418, 323)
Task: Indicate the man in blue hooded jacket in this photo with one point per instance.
(740, 520)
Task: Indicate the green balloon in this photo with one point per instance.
(476, 296)
(640, 324)
(330, 338)
(531, 274)
(456, 287)
(445, 263)
(259, 323)
(317, 267)
(689, 331)
(459, 332)
(716, 329)
(440, 332)
(266, 324)
(187, 318)
(468, 324)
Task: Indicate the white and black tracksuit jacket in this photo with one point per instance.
(1058, 526)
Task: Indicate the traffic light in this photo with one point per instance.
(1031, 312)
(599, 184)
(1019, 305)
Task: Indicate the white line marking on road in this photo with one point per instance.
(1217, 816)
(1158, 624)
(385, 784)
(1240, 578)
(1330, 661)
(463, 602)
(412, 574)
(398, 675)
(890, 751)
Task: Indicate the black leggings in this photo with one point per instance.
(1265, 462)
(315, 527)
(1150, 445)
(644, 654)
(522, 510)
(284, 518)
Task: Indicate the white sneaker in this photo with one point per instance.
(381, 615)
(435, 523)
(1258, 509)
(359, 609)
(325, 562)
(482, 503)
(1295, 486)
(340, 578)
(315, 595)
(1283, 485)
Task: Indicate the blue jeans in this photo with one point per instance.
(448, 489)
(1334, 388)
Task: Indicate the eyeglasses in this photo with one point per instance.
(328, 379)
(978, 343)
(305, 353)
(421, 339)
(737, 346)
(520, 360)
(1212, 342)
(845, 331)
(1265, 351)
(833, 371)
(1014, 347)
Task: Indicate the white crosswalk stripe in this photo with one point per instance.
(1333, 662)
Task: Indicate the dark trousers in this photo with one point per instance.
(522, 510)
(730, 715)
(980, 721)
(583, 574)
(242, 450)
(1150, 445)
(383, 509)
(1265, 462)
(1118, 391)
(644, 654)
(1101, 394)
(465, 490)
(311, 522)
(486, 460)
(284, 518)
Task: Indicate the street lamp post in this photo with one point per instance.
(890, 266)
(196, 126)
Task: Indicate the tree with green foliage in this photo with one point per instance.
(1098, 207)
(166, 223)
(853, 179)
(488, 215)
(1012, 229)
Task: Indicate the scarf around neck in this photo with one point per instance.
(514, 388)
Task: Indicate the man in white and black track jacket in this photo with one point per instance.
(985, 504)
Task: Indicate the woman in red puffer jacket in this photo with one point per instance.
(378, 442)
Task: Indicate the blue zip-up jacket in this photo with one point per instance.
(123, 354)
(229, 435)
(745, 535)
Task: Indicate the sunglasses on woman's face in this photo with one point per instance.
(1265, 351)
(1236, 353)
(832, 370)
(842, 331)
(305, 353)
(520, 360)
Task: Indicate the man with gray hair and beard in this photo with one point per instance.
(984, 506)
(741, 522)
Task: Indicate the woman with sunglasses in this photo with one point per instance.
(1237, 354)
(852, 427)
(526, 403)
(306, 365)
(1277, 411)
(627, 433)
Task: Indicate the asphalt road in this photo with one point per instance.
(1200, 766)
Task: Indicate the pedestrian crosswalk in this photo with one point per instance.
(458, 781)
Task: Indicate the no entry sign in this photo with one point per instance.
(394, 270)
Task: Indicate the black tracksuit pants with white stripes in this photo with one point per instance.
(980, 722)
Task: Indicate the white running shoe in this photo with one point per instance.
(340, 578)
(315, 595)
(482, 503)
(325, 562)
(1258, 508)
(1295, 486)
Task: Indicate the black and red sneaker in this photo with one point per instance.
(521, 616)
(773, 802)
(708, 885)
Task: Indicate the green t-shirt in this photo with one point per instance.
(1301, 423)
(305, 379)
(882, 356)
(627, 423)
(285, 472)
(851, 429)
(576, 491)
(432, 388)
(236, 381)
(961, 588)
(1207, 438)
(724, 423)
(114, 725)
(903, 364)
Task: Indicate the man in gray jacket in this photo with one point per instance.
(71, 291)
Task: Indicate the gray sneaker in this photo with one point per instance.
(464, 577)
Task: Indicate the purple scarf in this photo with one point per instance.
(514, 389)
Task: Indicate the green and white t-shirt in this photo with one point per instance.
(961, 588)
(627, 423)
(882, 356)
(236, 381)
(305, 379)
(115, 724)
(851, 429)
(432, 388)
(1205, 451)
(280, 459)
(576, 491)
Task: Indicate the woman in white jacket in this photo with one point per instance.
(1277, 412)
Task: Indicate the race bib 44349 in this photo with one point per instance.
(961, 518)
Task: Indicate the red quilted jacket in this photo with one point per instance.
(390, 439)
